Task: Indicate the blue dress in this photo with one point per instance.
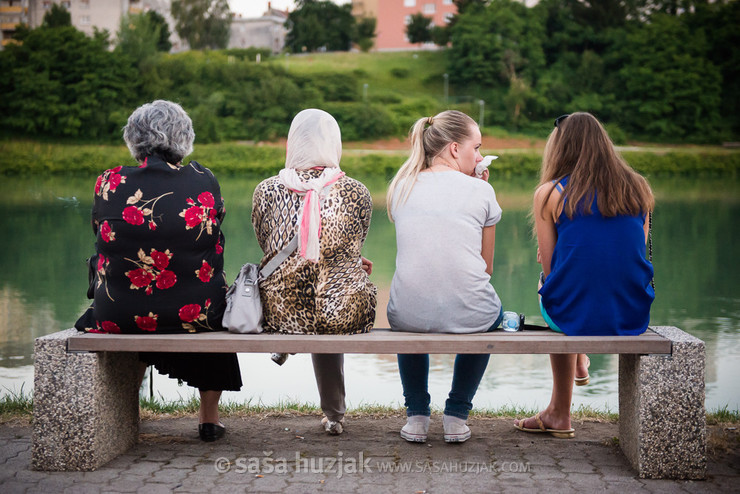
(599, 283)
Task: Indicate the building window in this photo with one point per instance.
(85, 20)
(407, 20)
(429, 8)
(446, 2)
(409, 3)
(84, 4)
(47, 5)
(448, 17)
(67, 5)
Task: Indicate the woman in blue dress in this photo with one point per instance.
(590, 213)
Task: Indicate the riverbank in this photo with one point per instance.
(288, 452)
(517, 157)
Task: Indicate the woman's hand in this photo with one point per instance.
(367, 266)
(485, 175)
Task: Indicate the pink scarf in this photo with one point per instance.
(313, 192)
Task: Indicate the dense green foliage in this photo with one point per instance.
(35, 158)
(57, 16)
(320, 24)
(661, 70)
(59, 82)
(659, 74)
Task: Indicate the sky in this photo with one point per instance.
(255, 8)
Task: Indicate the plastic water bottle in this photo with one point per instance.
(510, 322)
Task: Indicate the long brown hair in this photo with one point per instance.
(580, 147)
(428, 136)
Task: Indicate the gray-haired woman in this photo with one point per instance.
(158, 266)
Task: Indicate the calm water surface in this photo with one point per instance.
(46, 237)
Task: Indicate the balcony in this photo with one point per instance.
(4, 9)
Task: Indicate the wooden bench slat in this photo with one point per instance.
(378, 341)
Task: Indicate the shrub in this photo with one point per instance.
(360, 121)
(400, 72)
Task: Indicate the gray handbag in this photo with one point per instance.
(243, 312)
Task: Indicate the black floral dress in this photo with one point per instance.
(159, 262)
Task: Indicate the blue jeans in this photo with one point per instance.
(466, 376)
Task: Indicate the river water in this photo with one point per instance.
(46, 237)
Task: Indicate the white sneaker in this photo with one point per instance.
(456, 430)
(416, 428)
(331, 427)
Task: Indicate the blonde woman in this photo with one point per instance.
(323, 287)
(445, 222)
(591, 218)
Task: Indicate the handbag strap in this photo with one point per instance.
(650, 246)
(279, 258)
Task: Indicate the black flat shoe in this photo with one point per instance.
(211, 432)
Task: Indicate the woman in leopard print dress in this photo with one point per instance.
(323, 287)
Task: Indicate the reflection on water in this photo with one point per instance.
(46, 238)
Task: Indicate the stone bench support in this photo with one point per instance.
(85, 405)
(662, 420)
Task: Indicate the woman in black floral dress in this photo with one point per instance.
(159, 253)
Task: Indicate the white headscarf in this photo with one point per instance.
(314, 140)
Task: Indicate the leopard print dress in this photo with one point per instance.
(333, 296)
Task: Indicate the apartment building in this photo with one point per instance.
(12, 14)
(267, 31)
(394, 15)
(86, 15)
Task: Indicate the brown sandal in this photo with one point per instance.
(582, 381)
(559, 433)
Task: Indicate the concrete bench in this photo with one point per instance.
(86, 406)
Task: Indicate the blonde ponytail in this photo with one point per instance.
(426, 144)
(411, 167)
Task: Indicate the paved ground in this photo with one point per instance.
(293, 455)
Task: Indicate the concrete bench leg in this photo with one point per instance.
(662, 421)
(85, 405)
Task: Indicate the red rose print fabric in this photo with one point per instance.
(159, 250)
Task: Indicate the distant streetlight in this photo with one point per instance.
(364, 92)
(447, 87)
(481, 104)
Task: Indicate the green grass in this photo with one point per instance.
(31, 158)
(723, 416)
(15, 404)
(19, 405)
(404, 73)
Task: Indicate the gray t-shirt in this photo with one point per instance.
(440, 284)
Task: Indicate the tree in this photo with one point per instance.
(668, 88)
(366, 33)
(418, 29)
(139, 37)
(60, 82)
(202, 23)
(489, 46)
(320, 24)
(719, 22)
(157, 20)
(440, 35)
(57, 16)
